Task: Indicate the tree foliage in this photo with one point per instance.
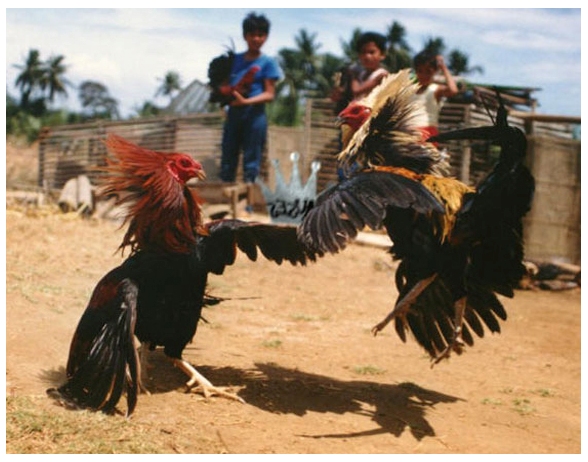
(96, 100)
(459, 64)
(29, 79)
(41, 80)
(171, 84)
(304, 77)
(53, 80)
(398, 53)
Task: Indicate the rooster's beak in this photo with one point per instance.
(200, 174)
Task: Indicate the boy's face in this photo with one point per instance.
(370, 56)
(255, 40)
(425, 73)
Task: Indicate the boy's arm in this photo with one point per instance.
(372, 81)
(266, 96)
(450, 87)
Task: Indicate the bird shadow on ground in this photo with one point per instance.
(394, 408)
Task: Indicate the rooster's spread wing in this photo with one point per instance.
(277, 243)
(361, 201)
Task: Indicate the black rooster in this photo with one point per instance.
(452, 264)
(157, 293)
(219, 73)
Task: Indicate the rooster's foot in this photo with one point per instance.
(403, 305)
(201, 384)
(211, 390)
(456, 345)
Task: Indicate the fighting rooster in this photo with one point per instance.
(158, 292)
(219, 73)
(453, 261)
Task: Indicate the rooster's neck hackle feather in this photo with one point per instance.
(449, 192)
(391, 135)
(162, 213)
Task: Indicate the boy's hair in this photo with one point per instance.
(254, 22)
(425, 58)
(367, 37)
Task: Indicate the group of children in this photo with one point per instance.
(369, 72)
(246, 124)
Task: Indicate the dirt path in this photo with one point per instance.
(300, 352)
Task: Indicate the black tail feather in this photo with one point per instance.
(111, 366)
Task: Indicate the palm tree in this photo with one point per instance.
(329, 66)
(435, 45)
(398, 54)
(350, 47)
(52, 79)
(458, 64)
(307, 49)
(285, 107)
(457, 61)
(302, 78)
(30, 77)
(170, 84)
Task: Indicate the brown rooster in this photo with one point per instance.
(158, 292)
(453, 261)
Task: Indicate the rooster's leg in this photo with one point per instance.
(456, 343)
(196, 378)
(403, 305)
(144, 366)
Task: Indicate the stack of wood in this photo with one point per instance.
(550, 275)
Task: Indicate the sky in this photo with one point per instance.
(130, 50)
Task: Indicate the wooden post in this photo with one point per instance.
(466, 157)
(307, 129)
(464, 168)
(41, 167)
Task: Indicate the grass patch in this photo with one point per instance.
(33, 430)
(368, 370)
(523, 406)
(302, 317)
(275, 343)
(545, 392)
(492, 401)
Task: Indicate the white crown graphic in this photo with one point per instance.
(290, 202)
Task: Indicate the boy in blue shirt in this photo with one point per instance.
(246, 123)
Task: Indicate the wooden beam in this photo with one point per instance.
(546, 117)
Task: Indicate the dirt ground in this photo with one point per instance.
(295, 344)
